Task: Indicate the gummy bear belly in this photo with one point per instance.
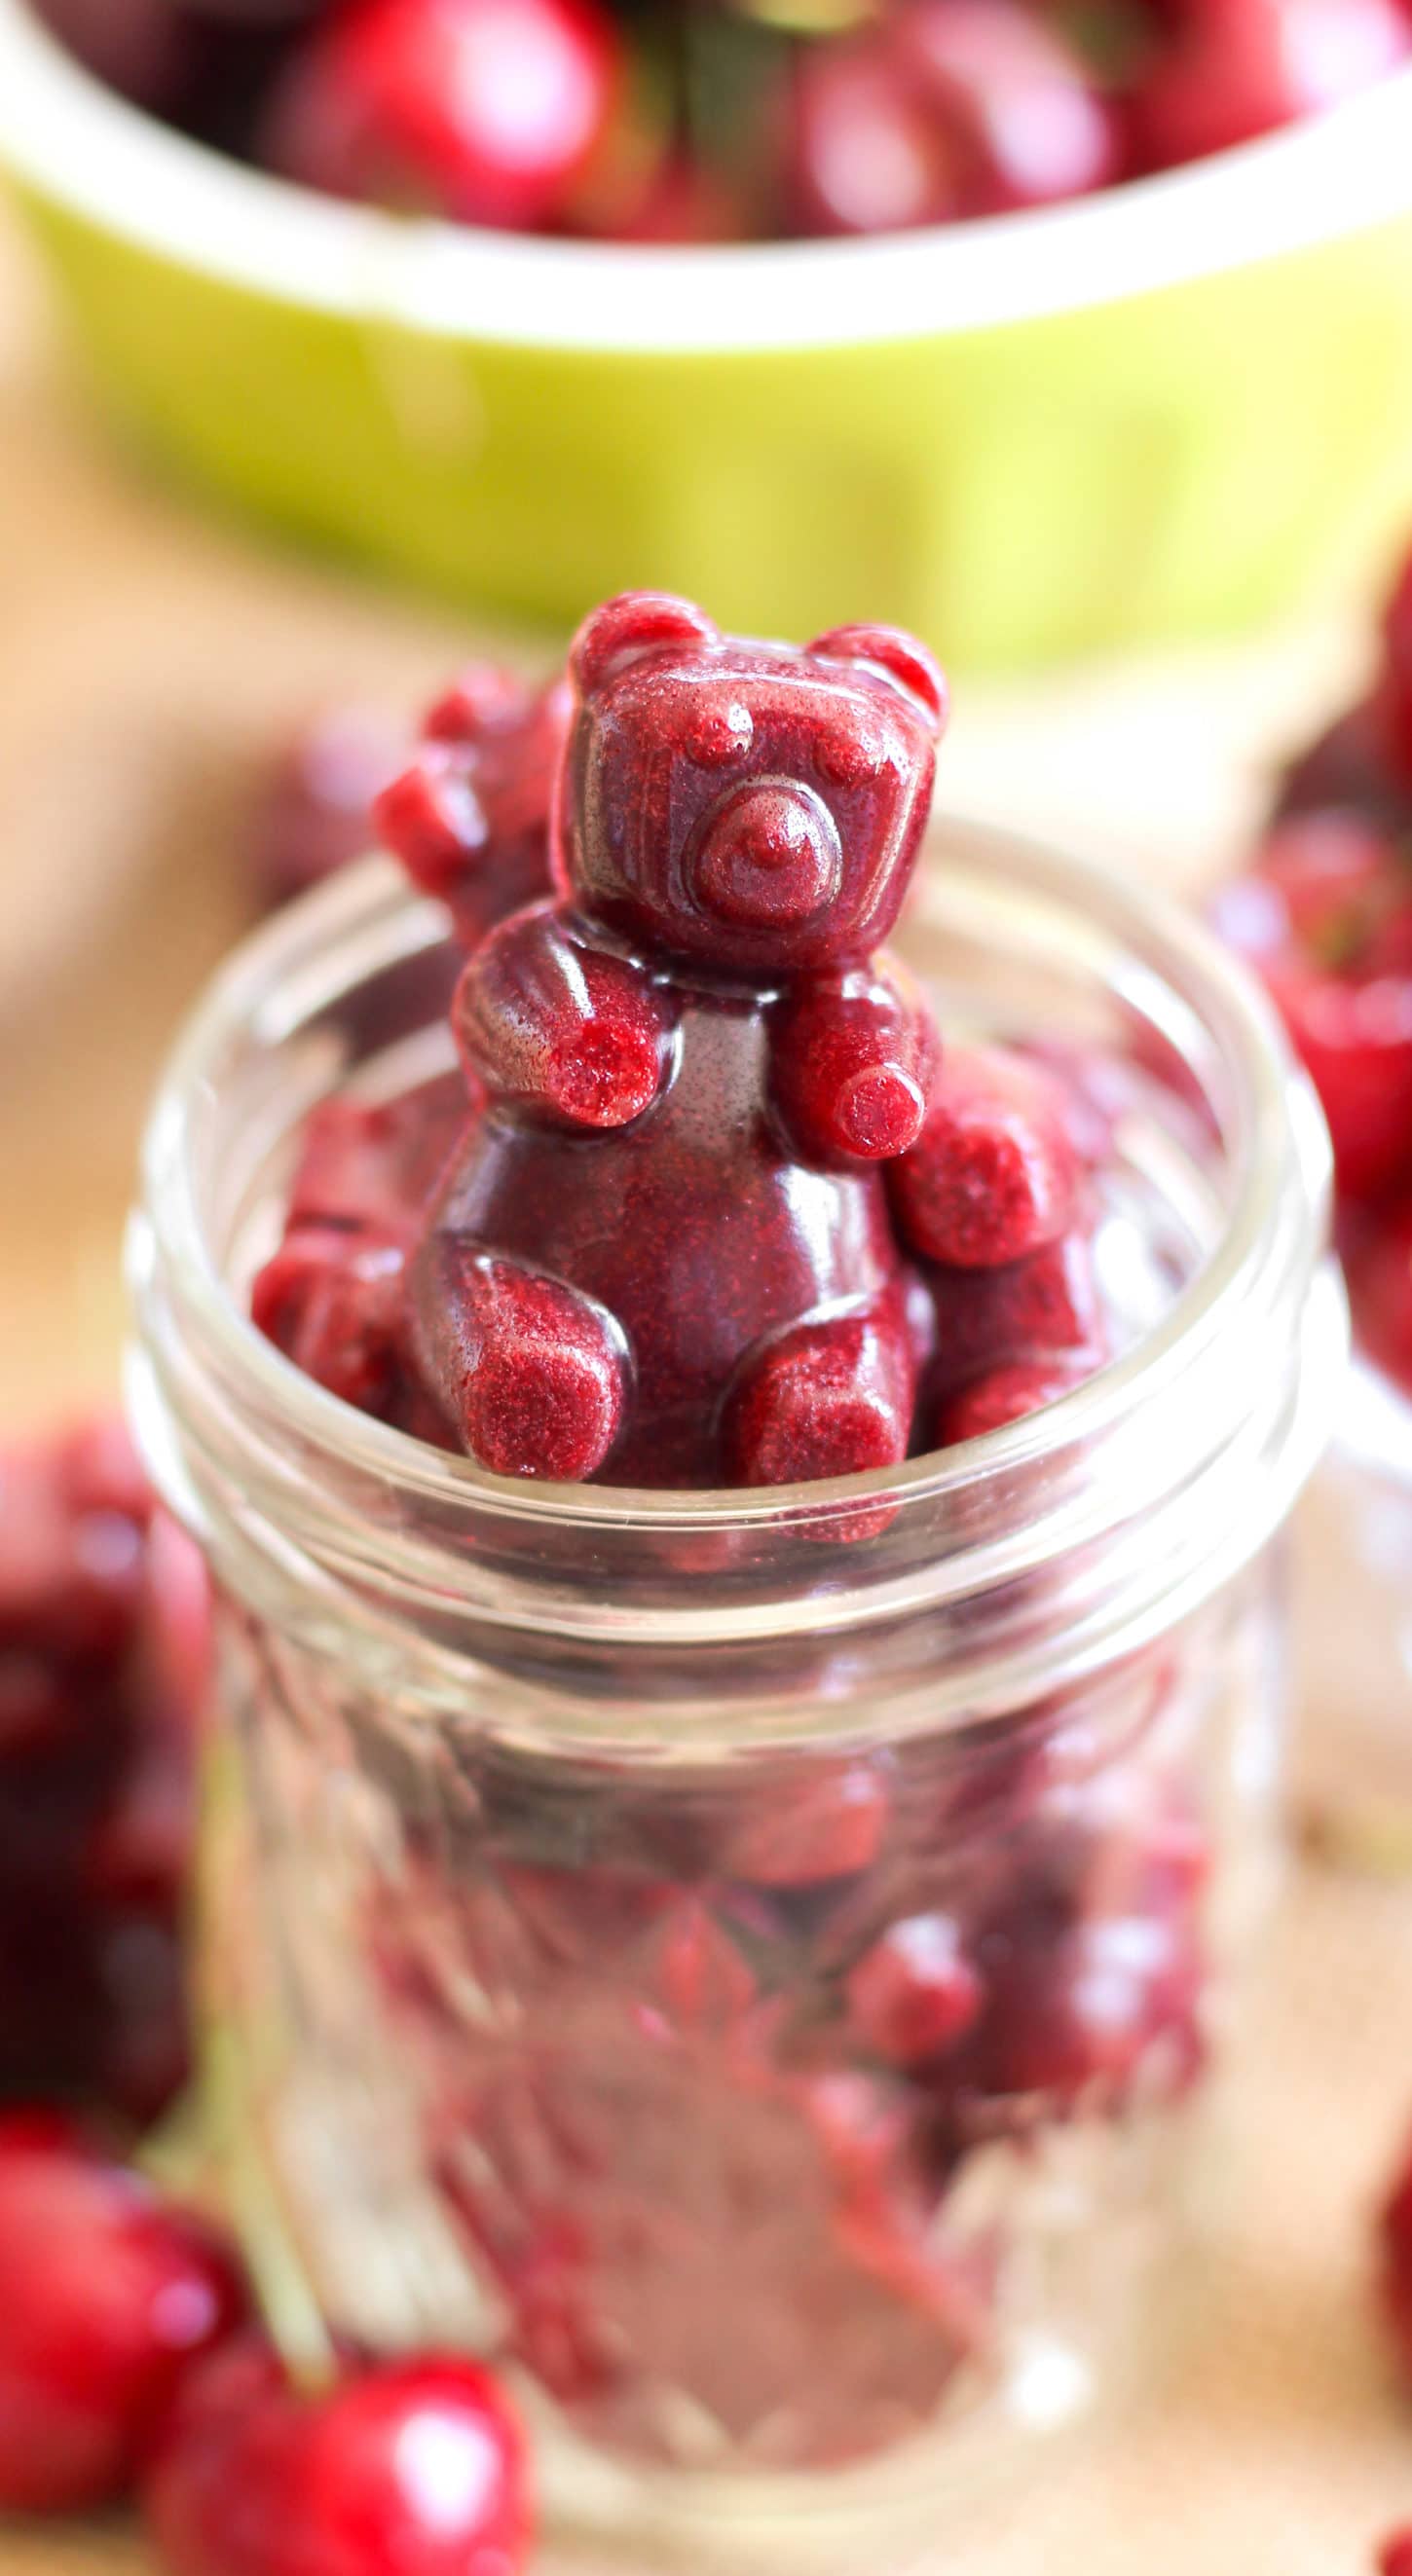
(693, 1228)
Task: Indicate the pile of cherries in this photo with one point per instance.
(1324, 914)
(729, 120)
(102, 1637)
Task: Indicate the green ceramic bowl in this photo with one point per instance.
(1158, 412)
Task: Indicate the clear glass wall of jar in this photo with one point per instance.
(754, 1960)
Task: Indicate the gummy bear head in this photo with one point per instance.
(743, 806)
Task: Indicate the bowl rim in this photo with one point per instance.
(69, 139)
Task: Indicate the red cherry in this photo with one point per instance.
(141, 48)
(1379, 1265)
(863, 154)
(1325, 917)
(1238, 68)
(1348, 768)
(485, 111)
(945, 109)
(416, 2467)
(253, 13)
(1392, 702)
(108, 2297)
(99, 1470)
(1395, 2555)
(1395, 2248)
(1397, 629)
(1032, 127)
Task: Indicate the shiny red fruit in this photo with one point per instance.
(141, 48)
(1017, 100)
(1395, 2555)
(944, 109)
(1240, 68)
(410, 2468)
(107, 2296)
(1395, 2277)
(484, 111)
(863, 154)
(1325, 917)
(1379, 1264)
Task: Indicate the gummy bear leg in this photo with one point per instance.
(829, 1398)
(532, 1375)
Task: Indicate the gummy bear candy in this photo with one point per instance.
(664, 1253)
(469, 818)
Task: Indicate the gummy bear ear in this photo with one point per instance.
(887, 648)
(638, 621)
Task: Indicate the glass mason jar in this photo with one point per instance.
(753, 1960)
(1353, 1548)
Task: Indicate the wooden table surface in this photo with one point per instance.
(146, 654)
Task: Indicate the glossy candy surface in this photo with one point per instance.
(737, 829)
(470, 817)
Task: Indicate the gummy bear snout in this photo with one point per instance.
(768, 856)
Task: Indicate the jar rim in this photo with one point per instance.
(1265, 1260)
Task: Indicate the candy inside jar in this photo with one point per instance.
(752, 1953)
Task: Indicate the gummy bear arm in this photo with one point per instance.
(853, 1058)
(574, 1032)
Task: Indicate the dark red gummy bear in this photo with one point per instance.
(485, 111)
(664, 1255)
(107, 2296)
(416, 2466)
(333, 1297)
(994, 1174)
(470, 817)
(994, 1200)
